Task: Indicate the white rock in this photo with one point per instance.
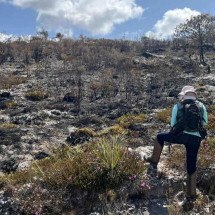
(144, 150)
(24, 165)
(72, 129)
(207, 210)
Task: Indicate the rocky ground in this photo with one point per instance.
(30, 128)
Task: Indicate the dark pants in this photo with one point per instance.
(191, 143)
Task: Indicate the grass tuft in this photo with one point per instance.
(126, 120)
(36, 95)
(164, 115)
(8, 125)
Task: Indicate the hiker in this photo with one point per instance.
(182, 135)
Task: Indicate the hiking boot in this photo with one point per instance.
(192, 198)
(154, 159)
(188, 204)
(149, 160)
(191, 192)
(191, 186)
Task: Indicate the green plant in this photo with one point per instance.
(164, 115)
(84, 166)
(109, 151)
(8, 81)
(112, 130)
(88, 170)
(87, 131)
(19, 177)
(8, 125)
(211, 122)
(129, 119)
(36, 95)
(10, 104)
(206, 154)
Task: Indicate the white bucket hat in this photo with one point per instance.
(181, 94)
(188, 89)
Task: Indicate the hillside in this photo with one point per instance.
(61, 101)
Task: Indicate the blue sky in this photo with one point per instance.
(99, 18)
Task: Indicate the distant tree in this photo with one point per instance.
(105, 87)
(59, 36)
(80, 86)
(44, 34)
(37, 54)
(26, 55)
(44, 51)
(125, 67)
(153, 45)
(199, 31)
(64, 52)
(3, 54)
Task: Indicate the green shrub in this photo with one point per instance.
(10, 104)
(211, 122)
(6, 82)
(36, 95)
(206, 154)
(109, 151)
(81, 174)
(8, 125)
(164, 116)
(112, 130)
(98, 165)
(129, 119)
(19, 177)
(88, 131)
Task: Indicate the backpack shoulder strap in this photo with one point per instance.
(180, 106)
(180, 110)
(200, 106)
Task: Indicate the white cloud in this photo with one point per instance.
(35, 4)
(165, 27)
(9, 37)
(95, 16)
(5, 37)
